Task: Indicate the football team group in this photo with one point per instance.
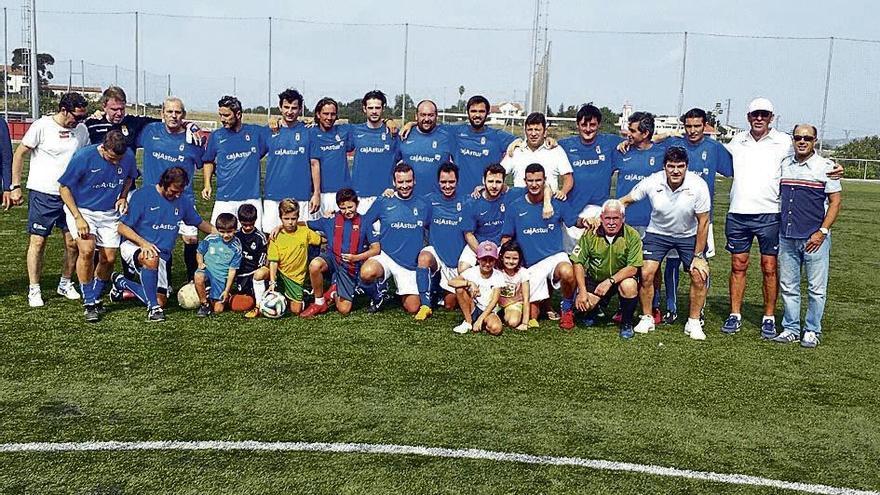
(426, 210)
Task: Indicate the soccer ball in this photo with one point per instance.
(241, 303)
(273, 305)
(187, 297)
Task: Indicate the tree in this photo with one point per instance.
(867, 148)
(44, 60)
(410, 107)
(461, 96)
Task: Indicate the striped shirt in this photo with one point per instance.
(804, 188)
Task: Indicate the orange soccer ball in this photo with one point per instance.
(241, 303)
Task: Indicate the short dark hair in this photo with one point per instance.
(290, 95)
(645, 121)
(447, 167)
(230, 102)
(694, 113)
(473, 100)
(675, 154)
(536, 118)
(247, 213)
(72, 100)
(226, 221)
(323, 102)
(495, 168)
(375, 94)
(534, 168)
(402, 167)
(115, 142)
(589, 112)
(173, 175)
(346, 194)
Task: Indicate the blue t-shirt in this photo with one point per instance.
(592, 166)
(632, 167)
(330, 147)
(236, 156)
(327, 228)
(474, 151)
(163, 150)
(485, 218)
(376, 151)
(707, 158)
(539, 238)
(155, 218)
(220, 255)
(402, 233)
(288, 164)
(444, 228)
(94, 182)
(425, 153)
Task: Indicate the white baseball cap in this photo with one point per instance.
(760, 103)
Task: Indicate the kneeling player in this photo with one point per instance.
(347, 247)
(253, 272)
(288, 253)
(218, 258)
(478, 290)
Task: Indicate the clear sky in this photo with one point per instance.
(209, 57)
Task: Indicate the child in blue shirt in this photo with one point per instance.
(219, 257)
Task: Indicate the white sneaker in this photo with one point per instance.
(645, 325)
(35, 298)
(67, 290)
(694, 330)
(462, 328)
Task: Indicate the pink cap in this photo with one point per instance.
(487, 249)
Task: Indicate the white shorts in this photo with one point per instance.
(446, 273)
(232, 207)
(187, 230)
(328, 203)
(128, 252)
(404, 279)
(468, 256)
(271, 219)
(542, 273)
(364, 204)
(710, 245)
(573, 234)
(103, 226)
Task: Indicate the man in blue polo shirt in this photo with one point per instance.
(476, 144)
(234, 151)
(330, 143)
(94, 188)
(403, 218)
(150, 231)
(810, 204)
(5, 164)
(426, 147)
(291, 171)
(376, 151)
(483, 217)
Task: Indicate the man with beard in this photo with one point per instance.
(426, 147)
(376, 151)
(330, 143)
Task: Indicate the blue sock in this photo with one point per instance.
(423, 283)
(98, 287)
(671, 275)
(655, 302)
(370, 290)
(566, 304)
(150, 279)
(135, 289)
(87, 293)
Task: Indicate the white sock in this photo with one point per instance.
(694, 321)
(63, 281)
(769, 317)
(34, 287)
(738, 316)
(319, 301)
(259, 289)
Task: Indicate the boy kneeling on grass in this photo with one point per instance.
(288, 254)
(218, 257)
(478, 290)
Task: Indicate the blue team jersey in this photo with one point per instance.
(485, 218)
(707, 158)
(330, 147)
(539, 238)
(592, 166)
(94, 182)
(288, 164)
(444, 228)
(236, 156)
(339, 243)
(632, 167)
(402, 233)
(163, 150)
(425, 153)
(155, 218)
(219, 255)
(474, 151)
(376, 151)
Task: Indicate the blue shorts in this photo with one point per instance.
(339, 275)
(215, 284)
(45, 211)
(655, 247)
(741, 229)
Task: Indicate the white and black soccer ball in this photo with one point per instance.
(273, 305)
(187, 297)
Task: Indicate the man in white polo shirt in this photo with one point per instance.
(538, 150)
(680, 205)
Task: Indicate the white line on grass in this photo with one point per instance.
(369, 448)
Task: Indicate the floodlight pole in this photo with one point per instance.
(137, 96)
(269, 93)
(35, 73)
(5, 68)
(405, 57)
(827, 86)
(684, 56)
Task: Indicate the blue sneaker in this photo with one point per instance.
(626, 332)
(768, 329)
(732, 325)
(591, 318)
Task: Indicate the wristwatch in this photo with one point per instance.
(824, 231)
(702, 256)
(14, 187)
(611, 279)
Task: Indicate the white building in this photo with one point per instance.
(506, 113)
(15, 79)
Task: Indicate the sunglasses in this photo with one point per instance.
(808, 139)
(761, 113)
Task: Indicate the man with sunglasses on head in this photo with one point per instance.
(51, 142)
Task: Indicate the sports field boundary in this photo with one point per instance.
(390, 449)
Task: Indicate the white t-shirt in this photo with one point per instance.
(554, 161)
(756, 171)
(53, 146)
(511, 292)
(486, 285)
(673, 213)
